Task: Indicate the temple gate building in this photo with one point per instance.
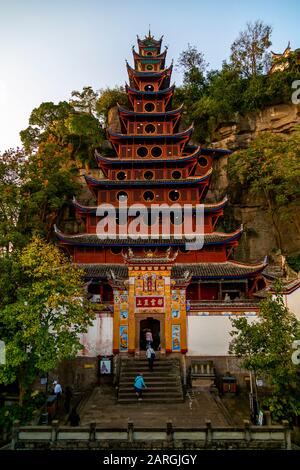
(184, 296)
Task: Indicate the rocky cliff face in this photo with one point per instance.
(262, 235)
(281, 118)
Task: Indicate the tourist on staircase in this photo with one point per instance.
(139, 384)
(150, 353)
(149, 338)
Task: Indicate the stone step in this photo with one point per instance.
(158, 387)
(153, 381)
(164, 382)
(145, 366)
(149, 400)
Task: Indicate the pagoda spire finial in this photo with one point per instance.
(149, 34)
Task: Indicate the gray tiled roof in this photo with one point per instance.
(90, 239)
(199, 270)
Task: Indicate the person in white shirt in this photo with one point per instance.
(150, 353)
(57, 389)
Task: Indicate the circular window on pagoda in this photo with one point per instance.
(176, 175)
(174, 195)
(121, 175)
(116, 250)
(149, 67)
(149, 107)
(203, 161)
(142, 151)
(149, 53)
(149, 129)
(149, 87)
(148, 175)
(156, 152)
(148, 196)
(122, 196)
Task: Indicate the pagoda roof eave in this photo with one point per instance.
(119, 161)
(151, 94)
(167, 72)
(155, 42)
(180, 135)
(91, 181)
(208, 208)
(93, 240)
(219, 271)
(127, 112)
(160, 56)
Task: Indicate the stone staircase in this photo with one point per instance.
(163, 383)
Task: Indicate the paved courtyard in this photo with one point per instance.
(101, 407)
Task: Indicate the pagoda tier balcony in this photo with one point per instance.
(149, 44)
(146, 81)
(150, 62)
(171, 219)
(150, 127)
(149, 147)
(155, 195)
(179, 171)
(150, 101)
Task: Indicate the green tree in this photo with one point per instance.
(84, 101)
(265, 347)
(269, 167)
(108, 98)
(45, 120)
(249, 53)
(13, 166)
(192, 63)
(49, 185)
(42, 312)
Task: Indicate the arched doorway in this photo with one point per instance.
(153, 325)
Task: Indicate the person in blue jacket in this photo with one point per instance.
(139, 384)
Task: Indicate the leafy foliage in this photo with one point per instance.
(108, 98)
(239, 88)
(249, 51)
(265, 347)
(294, 262)
(42, 311)
(270, 167)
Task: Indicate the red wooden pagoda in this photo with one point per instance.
(154, 281)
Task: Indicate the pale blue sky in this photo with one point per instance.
(49, 48)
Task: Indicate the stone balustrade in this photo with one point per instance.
(168, 437)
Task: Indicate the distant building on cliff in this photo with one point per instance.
(287, 60)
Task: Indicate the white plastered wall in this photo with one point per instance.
(209, 335)
(99, 338)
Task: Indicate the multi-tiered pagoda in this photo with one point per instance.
(154, 281)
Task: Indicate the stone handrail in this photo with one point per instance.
(97, 437)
